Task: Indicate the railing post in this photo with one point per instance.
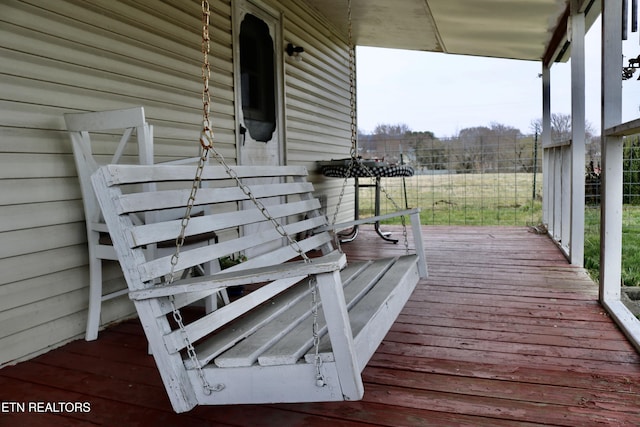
(612, 172)
(611, 200)
(578, 134)
(547, 193)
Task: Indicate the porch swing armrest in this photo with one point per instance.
(331, 262)
(369, 220)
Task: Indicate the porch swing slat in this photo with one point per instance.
(167, 199)
(174, 341)
(246, 353)
(283, 254)
(163, 231)
(252, 321)
(380, 307)
(139, 174)
(162, 266)
(295, 344)
(292, 325)
(381, 303)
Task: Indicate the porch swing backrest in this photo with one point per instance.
(260, 347)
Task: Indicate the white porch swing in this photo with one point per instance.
(311, 326)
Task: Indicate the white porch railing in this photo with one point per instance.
(557, 194)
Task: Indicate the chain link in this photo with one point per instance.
(206, 75)
(313, 287)
(191, 351)
(353, 152)
(261, 207)
(204, 154)
(206, 143)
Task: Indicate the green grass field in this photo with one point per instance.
(630, 243)
(500, 199)
(464, 199)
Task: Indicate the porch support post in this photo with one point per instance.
(612, 168)
(576, 238)
(547, 193)
(611, 198)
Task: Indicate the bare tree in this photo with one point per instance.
(399, 129)
(561, 127)
(429, 152)
(386, 142)
(474, 151)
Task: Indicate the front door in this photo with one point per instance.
(259, 95)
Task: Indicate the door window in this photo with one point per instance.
(257, 71)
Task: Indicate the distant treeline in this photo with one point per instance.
(481, 149)
(496, 148)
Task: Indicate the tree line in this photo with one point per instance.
(493, 148)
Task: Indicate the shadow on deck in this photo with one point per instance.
(503, 333)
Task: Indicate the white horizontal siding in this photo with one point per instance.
(38, 190)
(68, 56)
(317, 99)
(71, 56)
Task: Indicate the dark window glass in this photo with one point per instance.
(257, 78)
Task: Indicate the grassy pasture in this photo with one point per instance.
(463, 199)
(630, 243)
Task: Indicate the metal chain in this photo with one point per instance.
(313, 287)
(206, 138)
(246, 190)
(206, 142)
(354, 137)
(353, 152)
(191, 351)
(206, 75)
(352, 83)
(207, 146)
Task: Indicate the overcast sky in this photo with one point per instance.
(447, 93)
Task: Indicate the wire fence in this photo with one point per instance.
(462, 181)
(630, 214)
(498, 181)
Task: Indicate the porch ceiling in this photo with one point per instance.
(517, 29)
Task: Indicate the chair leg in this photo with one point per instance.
(211, 302)
(225, 296)
(95, 297)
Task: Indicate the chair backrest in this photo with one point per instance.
(93, 136)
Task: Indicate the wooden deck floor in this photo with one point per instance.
(503, 333)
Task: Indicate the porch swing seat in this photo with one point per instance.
(260, 348)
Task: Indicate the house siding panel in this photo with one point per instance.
(75, 56)
(317, 96)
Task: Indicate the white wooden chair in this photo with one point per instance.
(307, 331)
(107, 128)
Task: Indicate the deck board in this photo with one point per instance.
(503, 333)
